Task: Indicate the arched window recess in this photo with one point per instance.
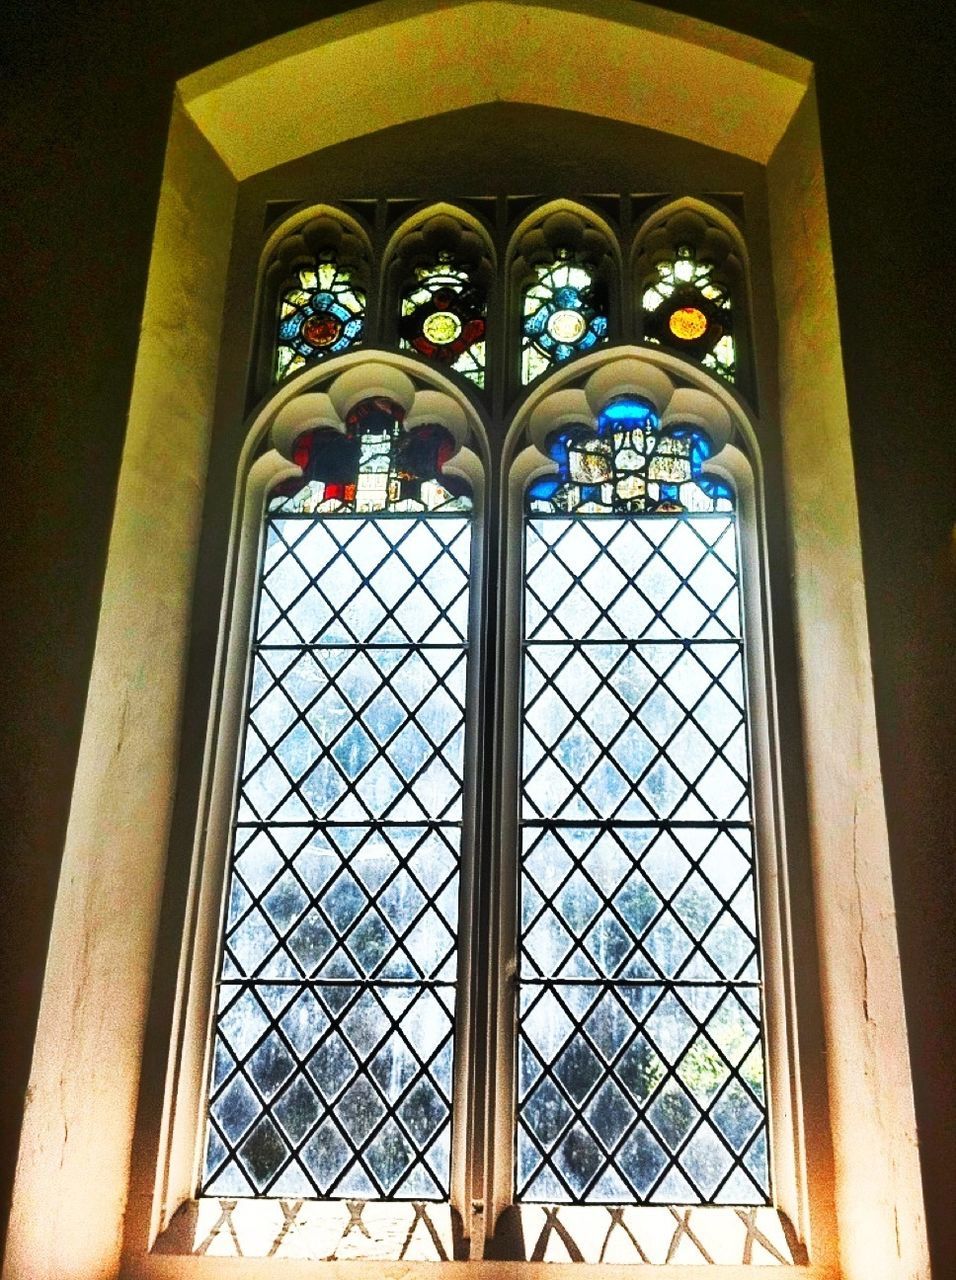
(440, 269)
(564, 265)
(347, 824)
(314, 292)
(690, 278)
(648, 1065)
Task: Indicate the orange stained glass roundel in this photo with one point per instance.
(687, 323)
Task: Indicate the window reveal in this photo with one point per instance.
(640, 1074)
(334, 1053)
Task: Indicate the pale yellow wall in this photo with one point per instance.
(73, 1169)
(301, 92)
(877, 1185)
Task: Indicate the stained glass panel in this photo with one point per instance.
(689, 309)
(444, 318)
(628, 464)
(333, 1056)
(640, 1059)
(322, 314)
(564, 312)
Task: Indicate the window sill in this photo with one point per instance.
(529, 1237)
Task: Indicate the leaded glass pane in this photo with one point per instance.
(333, 1056)
(321, 314)
(564, 313)
(689, 309)
(443, 317)
(640, 1059)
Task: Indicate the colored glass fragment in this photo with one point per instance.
(374, 465)
(687, 323)
(322, 315)
(443, 317)
(564, 314)
(689, 309)
(441, 327)
(629, 464)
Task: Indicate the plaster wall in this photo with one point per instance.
(868, 1069)
(85, 1072)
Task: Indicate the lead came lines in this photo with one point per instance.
(640, 1059)
(334, 1051)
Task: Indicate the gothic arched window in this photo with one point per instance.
(640, 1055)
(554, 846)
(333, 1062)
(563, 266)
(445, 271)
(687, 271)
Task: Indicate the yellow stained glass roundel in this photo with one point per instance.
(441, 327)
(567, 326)
(687, 323)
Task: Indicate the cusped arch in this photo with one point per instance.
(315, 272)
(690, 276)
(323, 395)
(564, 282)
(438, 275)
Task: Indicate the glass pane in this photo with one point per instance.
(640, 1059)
(321, 314)
(689, 309)
(443, 317)
(564, 313)
(334, 1055)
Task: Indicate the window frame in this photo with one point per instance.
(291, 406)
(265, 461)
(576, 392)
(482, 1133)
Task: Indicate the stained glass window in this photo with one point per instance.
(564, 312)
(444, 318)
(321, 314)
(689, 309)
(640, 1054)
(334, 1054)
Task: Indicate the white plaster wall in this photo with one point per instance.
(73, 1166)
(877, 1181)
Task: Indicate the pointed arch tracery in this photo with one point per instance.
(563, 264)
(440, 269)
(689, 277)
(332, 1067)
(318, 274)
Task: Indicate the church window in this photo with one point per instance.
(585, 814)
(445, 267)
(563, 315)
(640, 1060)
(321, 300)
(333, 1059)
(688, 270)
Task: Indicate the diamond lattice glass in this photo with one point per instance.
(333, 1054)
(640, 1059)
